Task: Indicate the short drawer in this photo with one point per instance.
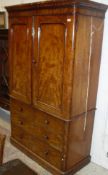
(45, 134)
(38, 147)
(20, 107)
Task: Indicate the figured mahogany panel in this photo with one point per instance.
(52, 68)
(51, 64)
(51, 54)
(20, 55)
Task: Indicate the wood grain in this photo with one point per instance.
(19, 55)
(50, 64)
(55, 49)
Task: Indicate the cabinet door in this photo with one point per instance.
(20, 58)
(52, 68)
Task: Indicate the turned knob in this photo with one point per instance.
(46, 122)
(46, 137)
(21, 109)
(21, 122)
(34, 61)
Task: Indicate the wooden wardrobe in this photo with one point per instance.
(4, 69)
(54, 53)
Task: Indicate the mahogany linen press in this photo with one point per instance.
(54, 55)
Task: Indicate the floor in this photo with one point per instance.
(10, 152)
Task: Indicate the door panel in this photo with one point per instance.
(20, 58)
(50, 58)
(50, 82)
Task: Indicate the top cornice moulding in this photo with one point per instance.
(57, 4)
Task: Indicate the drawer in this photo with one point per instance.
(21, 108)
(38, 147)
(38, 117)
(45, 134)
(55, 125)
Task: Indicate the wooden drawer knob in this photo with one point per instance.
(21, 122)
(21, 109)
(46, 122)
(34, 61)
(46, 137)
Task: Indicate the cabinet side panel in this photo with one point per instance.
(97, 35)
(79, 139)
(81, 65)
(87, 64)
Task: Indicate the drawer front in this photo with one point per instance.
(38, 147)
(38, 117)
(21, 108)
(55, 140)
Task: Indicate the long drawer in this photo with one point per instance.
(38, 117)
(38, 147)
(42, 133)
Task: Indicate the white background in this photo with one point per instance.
(100, 135)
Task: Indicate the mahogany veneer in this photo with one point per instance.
(55, 49)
